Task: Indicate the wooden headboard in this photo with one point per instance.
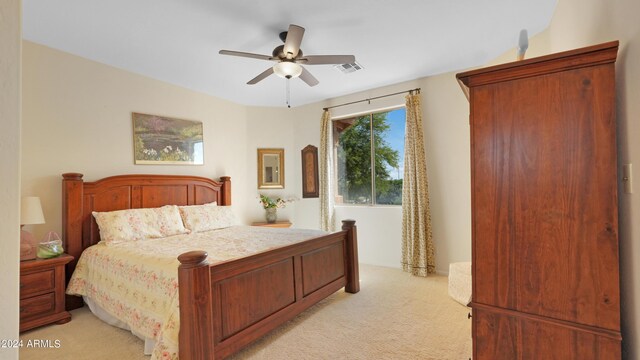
(79, 199)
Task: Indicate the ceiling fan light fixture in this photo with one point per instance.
(287, 69)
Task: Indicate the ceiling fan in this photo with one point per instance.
(289, 58)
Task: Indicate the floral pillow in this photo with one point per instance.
(137, 224)
(198, 218)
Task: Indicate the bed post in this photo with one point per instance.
(72, 209)
(196, 317)
(353, 276)
(226, 190)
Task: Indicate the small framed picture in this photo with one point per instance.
(270, 168)
(310, 183)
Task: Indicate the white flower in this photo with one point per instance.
(149, 152)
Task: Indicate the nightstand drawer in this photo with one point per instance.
(37, 306)
(38, 282)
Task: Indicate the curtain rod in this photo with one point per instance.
(373, 98)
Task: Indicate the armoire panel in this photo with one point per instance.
(545, 196)
(505, 337)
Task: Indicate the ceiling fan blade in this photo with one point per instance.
(308, 78)
(292, 43)
(260, 77)
(245, 54)
(327, 59)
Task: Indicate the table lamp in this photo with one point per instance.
(30, 214)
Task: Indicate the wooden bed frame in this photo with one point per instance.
(226, 306)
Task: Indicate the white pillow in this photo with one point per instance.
(198, 218)
(137, 224)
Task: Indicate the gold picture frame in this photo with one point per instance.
(270, 168)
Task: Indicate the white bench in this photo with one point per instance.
(460, 282)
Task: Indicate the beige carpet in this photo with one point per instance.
(395, 316)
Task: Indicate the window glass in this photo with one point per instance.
(372, 141)
(354, 161)
(388, 135)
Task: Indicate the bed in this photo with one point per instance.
(223, 306)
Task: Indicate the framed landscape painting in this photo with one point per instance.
(165, 140)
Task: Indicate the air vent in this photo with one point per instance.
(349, 68)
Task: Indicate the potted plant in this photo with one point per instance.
(271, 207)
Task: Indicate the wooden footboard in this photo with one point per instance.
(226, 306)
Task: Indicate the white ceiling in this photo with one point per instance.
(177, 41)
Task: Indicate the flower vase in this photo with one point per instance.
(271, 214)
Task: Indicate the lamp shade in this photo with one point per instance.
(31, 211)
(287, 69)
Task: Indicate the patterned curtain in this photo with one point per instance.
(326, 168)
(417, 244)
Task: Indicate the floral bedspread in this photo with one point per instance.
(137, 281)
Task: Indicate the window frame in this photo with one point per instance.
(335, 136)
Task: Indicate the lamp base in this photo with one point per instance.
(28, 246)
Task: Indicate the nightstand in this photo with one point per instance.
(277, 224)
(42, 287)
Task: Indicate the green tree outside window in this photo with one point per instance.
(355, 137)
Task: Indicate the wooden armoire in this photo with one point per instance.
(544, 207)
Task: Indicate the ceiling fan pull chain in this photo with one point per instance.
(288, 92)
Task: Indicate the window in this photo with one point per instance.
(370, 158)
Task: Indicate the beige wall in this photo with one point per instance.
(10, 54)
(446, 127)
(271, 128)
(77, 118)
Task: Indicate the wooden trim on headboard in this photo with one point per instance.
(226, 190)
(72, 185)
(80, 199)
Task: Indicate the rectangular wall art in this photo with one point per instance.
(165, 140)
(310, 183)
(270, 168)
